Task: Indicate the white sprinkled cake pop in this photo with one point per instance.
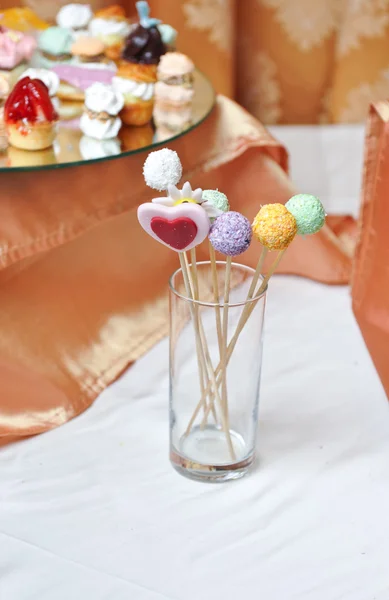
(161, 169)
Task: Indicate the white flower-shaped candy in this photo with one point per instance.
(187, 195)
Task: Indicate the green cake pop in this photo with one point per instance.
(217, 199)
(309, 213)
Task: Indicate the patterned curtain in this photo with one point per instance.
(286, 61)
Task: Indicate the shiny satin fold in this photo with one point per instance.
(370, 287)
(83, 290)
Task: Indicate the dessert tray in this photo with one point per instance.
(93, 87)
(71, 147)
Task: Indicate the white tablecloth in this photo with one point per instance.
(94, 511)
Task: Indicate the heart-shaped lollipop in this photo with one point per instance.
(180, 227)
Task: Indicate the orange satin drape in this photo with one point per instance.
(286, 61)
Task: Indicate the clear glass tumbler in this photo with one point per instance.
(214, 385)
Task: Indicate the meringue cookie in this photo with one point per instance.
(49, 78)
(74, 16)
(104, 98)
(99, 129)
(100, 27)
(91, 148)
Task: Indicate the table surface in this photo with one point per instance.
(94, 511)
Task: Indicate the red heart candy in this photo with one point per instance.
(178, 234)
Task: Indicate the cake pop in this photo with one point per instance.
(309, 213)
(275, 227)
(231, 234)
(177, 220)
(161, 169)
(217, 199)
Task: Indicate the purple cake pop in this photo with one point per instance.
(231, 234)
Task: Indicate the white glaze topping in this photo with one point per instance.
(144, 91)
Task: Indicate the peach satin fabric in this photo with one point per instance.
(370, 283)
(83, 290)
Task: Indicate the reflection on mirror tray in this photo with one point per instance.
(71, 146)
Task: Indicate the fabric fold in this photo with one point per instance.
(83, 290)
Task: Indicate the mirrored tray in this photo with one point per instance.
(73, 148)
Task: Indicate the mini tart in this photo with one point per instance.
(37, 136)
(138, 72)
(29, 116)
(138, 112)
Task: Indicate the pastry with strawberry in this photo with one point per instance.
(29, 116)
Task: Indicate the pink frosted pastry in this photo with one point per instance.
(175, 81)
(75, 79)
(15, 47)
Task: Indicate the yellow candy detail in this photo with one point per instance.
(274, 226)
(184, 200)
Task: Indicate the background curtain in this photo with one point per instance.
(286, 61)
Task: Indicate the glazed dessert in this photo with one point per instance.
(49, 78)
(100, 118)
(88, 49)
(15, 49)
(22, 19)
(174, 88)
(75, 17)
(111, 27)
(55, 45)
(29, 116)
(75, 79)
(137, 73)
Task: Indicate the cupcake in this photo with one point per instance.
(88, 49)
(174, 88)
(75, 17)
(49, 78)
(137, 72)
(111, 27)
(15, 49)
(100, 118)
(55, 45)
(29, 116)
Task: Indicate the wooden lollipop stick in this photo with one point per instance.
(204, 381)
(208, 362)
(215, 284)
(227, 284)
(243, 320)
(194, 282)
